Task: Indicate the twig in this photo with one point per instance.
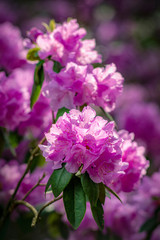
(9, 209)
(28, 205)
(110, 118)
(36, 217)
(36, 185)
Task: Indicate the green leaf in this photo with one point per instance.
(90, 188)
(58, 181)
(32, 54)
(75, 202)
(149, 225)
(114, 193)
(98, 214)
(107, 194)
(102, 193)
(52, 25)
(61, 111)
(57, 67)
(38, 82)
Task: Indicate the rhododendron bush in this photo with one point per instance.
(79, 148)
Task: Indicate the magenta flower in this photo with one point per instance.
(65, 44)
(137, 163)
(15, 92)
(143, 120)
(80, 139)
(76, 85)
(139, 206)
(109, 86)
(14, 97)
(11, 47)
(10, 174)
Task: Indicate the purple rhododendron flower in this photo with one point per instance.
(76, 85)
(10, 174)
(137, 164)
(82, 139)
(14, 98)
(65, 44)
(11, 47)
(143, 120)
(15, 92)
(138, 207)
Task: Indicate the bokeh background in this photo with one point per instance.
(128, 34)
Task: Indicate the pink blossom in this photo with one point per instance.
(109, 86)
(139, 206)
(14, 98)
(76, 85)
(39, 119)
(12, 54)
(15, 92)
(137, 164)
(143, 120)
(82, 139)
(65, 44)
(10, 174)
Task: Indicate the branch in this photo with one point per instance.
(36, 185)
(36, 217)
(28, 205)
(9, 209)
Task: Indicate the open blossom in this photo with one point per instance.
(143, 120)
(82, 139)
(137, 164)
(39, 119)
(15, 92)
(125, 219)
(10, 174)
(139, 206)
(65, 44)
(76, 85)
(12, 54)
(14, 98)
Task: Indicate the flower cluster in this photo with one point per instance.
(138, 207)
(79, 143)
(14, 99)
(137, 164)
(11, 47)
(15, 91)
(142, 119)
(93, 144)
(64, 44)
(76, 85)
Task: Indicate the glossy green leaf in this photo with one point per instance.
(58, 181)
(32, 54)
(102, 194)
(90, 188)
(61, 111)
(114, 193)
(98, 214)
(38, 82)
(57, 67)
(75, 202)
(149, 225)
